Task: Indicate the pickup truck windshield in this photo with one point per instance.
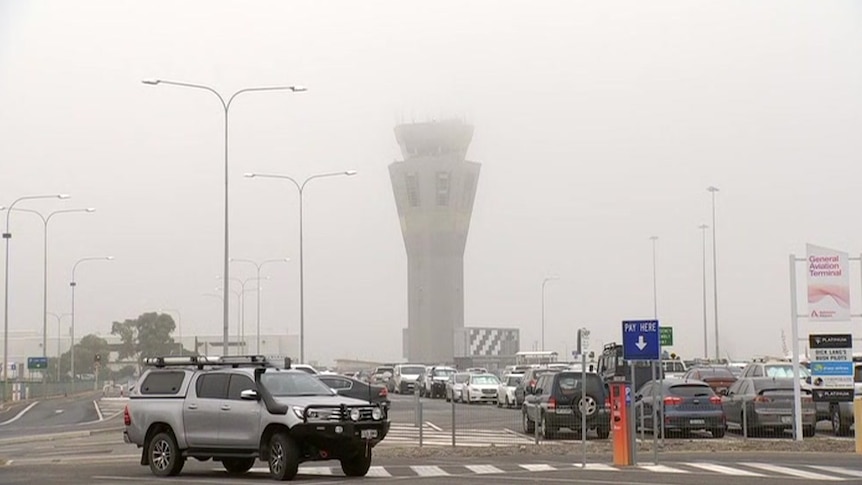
(284, 384)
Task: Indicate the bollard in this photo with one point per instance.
(857, 416)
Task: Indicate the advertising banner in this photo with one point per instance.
(828, 284)
(832, 367)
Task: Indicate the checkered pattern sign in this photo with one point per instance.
(491, 342)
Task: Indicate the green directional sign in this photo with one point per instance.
(37, 363)
(666, 336)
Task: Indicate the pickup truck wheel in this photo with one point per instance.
(237, 466)
(164, 455)
(838, 428)
(357, 465)
(283, 457)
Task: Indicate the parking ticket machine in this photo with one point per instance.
(620, 400)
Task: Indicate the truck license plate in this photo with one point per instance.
(564, 411)
(697, 421)
(368, 434)
(786, 419)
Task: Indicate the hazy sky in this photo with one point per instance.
(598, 124)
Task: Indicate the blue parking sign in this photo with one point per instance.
(641, 340)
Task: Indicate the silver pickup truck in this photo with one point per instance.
(239, 409)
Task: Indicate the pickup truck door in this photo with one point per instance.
(239, 421)
(201, 409)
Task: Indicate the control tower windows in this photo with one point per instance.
(413, 189)
(442, 188)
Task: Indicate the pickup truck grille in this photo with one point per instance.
(338, 414)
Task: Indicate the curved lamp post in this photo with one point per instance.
(226, 108)
(7, 236)
(73, 284)
(300, 188)
(258, 266)
(544, 282)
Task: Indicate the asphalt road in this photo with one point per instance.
(61, 415)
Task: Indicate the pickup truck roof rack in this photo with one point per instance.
(200, 361)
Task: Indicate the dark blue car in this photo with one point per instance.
(684, 405)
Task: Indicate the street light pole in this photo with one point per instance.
(654, 285)
(703, 228)
(258, 266)
(300, 187)
(7, 236)
(59, 339)
(226, 108)
(545, 281)
(713, 190)
(73, 284)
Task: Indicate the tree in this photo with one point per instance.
(149, 335)
(85, 357)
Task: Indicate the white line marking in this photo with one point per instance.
(792, 472)
(483, 469)
(838, 469)
(537, 467)
(378, 471)
(98, 411)
(429, 471)
(662, 469)
(598, 467)
(18, 416)
(725, 470)
(433, 426)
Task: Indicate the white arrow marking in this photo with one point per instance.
(640, 343)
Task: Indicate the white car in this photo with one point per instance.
(455, 386)
(480, 388)
(506, 390)
(406, 377)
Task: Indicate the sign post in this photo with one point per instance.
(641, 342)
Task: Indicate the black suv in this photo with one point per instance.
(557, 402)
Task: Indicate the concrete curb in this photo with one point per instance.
(57, 436)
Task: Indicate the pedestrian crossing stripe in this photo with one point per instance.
(401, 434)
(758, 470)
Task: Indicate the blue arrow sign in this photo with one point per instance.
(641, 340)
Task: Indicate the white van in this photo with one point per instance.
(406, 377)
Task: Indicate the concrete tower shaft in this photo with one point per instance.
(434, 191)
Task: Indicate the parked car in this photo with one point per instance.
(382, 375)
(477, 370)
(841, 413)
(719, 378)
(766, 367)
(525, 387)
(684, 405)
(506, 390)
(673, 368)
(406, 377)
(455, 386)
(766, 403)
(350, 387)
(480, 388)
(434, 381)
(560, 399)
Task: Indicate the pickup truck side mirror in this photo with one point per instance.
(249, 395)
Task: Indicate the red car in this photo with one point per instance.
(719, 378)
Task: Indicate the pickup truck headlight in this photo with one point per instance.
(355, 414)
(298, 411)
(376, 414)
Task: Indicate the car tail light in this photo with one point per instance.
(552, 403)
(127, 418)
(715, 399)
(672, 401)
(762, 399)
(607, 403)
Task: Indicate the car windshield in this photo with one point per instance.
(691, 390)
(785, 370)
(411, 370)
(443, 372)
(513, 381)
(459, 378)
(715, 372)
(485, 380)
(284, 384)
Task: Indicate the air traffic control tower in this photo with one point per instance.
(434, 190)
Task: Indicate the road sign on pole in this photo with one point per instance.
(666, 336)
(641, 340)
(37, 363)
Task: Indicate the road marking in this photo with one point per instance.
(315, 470)
(58, 411)
(18, 416)
(662, 469)
(538, 467)
(433, 426)
(483, 469)
(429, 471)
(378, 471)
(792, 472)
(98, 411)
(725, 470)
(838, 469)
(598, 467)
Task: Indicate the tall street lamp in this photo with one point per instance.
(73, 284)
(59, 339)
(654, 281)
(238, 295)
(300, 187)
(258, 266)
(713, 190)
(179, 324)
(703, 228)
(7, 236)
(226, 107)
(45, 220)
(242, 290)
(544, 282)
